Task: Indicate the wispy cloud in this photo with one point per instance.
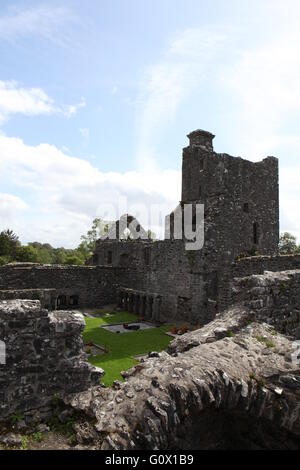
(183, 67)
(265, 85)
(85, 133)
(72, 109)
(44, 21)
(15, 99)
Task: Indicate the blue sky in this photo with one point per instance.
(96, 99)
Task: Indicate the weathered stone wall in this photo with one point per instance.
(164, 268)
(44, 358)
(229, 385)
(236, 194)
(47, 297)
(241, 216)
(92, 285)
(258, 264)
(273, 297)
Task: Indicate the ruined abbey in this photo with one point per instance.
(163, 280)
(235, 289)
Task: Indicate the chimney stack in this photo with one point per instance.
(200, 138)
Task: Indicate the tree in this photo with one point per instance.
(88, 242)
(9, 244)
(151, 235)
(74, 260)
(28, 254)
(45, 252)
(4, 260)
(288, 243)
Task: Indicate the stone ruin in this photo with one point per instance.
(232, 383)
(43, 358)
(173, 284)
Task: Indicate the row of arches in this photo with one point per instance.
(64, 301)
(143, 304)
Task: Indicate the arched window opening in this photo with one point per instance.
(246, 207)
(255, 233)
(61, 301)
(147, 256)
(124, 260)
(95, 259)
(109, 257)
(74, 300)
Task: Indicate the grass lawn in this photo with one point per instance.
(124, 346)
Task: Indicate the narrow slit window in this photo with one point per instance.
(246, 207)
(109, 257)
(255, 233)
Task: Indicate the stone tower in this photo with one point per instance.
(241, 198)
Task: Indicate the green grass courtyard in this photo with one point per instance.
(122, 348)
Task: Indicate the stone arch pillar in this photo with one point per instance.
(143, 305)
(156, 308)
(130, 302)
(149, 307)
(137, 304)
(120, 299)
(125, 300)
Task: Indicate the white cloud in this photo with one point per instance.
(264, 84)
(44, 21)
(16, 99)
(30, 101)
(69, 192)
(289, 200)
(10, 207)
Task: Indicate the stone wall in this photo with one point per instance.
(162, 268)
(229, 385)
(259, 264)
(88, 286)
(240, 198)
(47, 297)
(273, 297)
(44, 358)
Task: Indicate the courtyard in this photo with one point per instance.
(118, 351)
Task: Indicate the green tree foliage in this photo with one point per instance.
(28, 254)
(151, 235)
(88, 242)
(11, 250)
(74, 259)
(9, 244)
(288, 244)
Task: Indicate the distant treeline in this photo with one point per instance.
(12, 250)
